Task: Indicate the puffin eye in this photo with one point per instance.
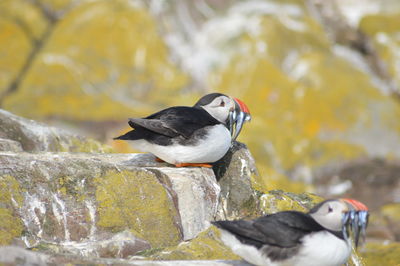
(330, 209)
(222, 104)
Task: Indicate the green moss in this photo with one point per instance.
(381, 254)
(278, 200)
(10, 224)
(206, 246)
(137, 201)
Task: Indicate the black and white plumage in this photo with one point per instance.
(184, 135)
(319, 237)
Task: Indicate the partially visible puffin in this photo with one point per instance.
(190, 136)
(317, 238)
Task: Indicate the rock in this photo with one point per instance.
(391, 213)
(19, 256)
(278, 200)
(381, 254)
(10, 145)
(34, 137)
(62, 197)
(205, 246)
(74, 197)
(197, 193)
(384, 223)
(237, 174)
(107, 245)
(12, 255)
(373, 181)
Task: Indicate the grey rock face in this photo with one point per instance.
(237, 175)
(64, 195)
(33, 136)
(197, 192)
(19, 256)
(10, 145)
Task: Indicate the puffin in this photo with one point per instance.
(320, 237)
(195, 135)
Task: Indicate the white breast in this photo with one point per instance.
(208, 150)
(323, 248)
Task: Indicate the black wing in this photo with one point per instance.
(277, 235)
(179, 120)
(171, 122)
(283, 229)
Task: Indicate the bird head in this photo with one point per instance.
(230, 111)
(343, 215)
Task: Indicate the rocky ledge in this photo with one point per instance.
(60, 205)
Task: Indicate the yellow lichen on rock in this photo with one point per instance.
(381, 254)
(206, 246)
(135, 200)
(392, 211)
(10, 198)
(10, 227)
(99, 60)
(384, 30)
(74, 144)
(278, 200)
(304, 96)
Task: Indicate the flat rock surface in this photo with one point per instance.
(75, 196)
(12, 255)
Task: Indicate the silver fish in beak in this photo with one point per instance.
(355, 220)
(237, 117)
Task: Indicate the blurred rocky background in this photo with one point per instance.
(321, 78)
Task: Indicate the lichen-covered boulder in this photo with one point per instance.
(77, 197)
(277, 200)
(197, 194)
(33, 136)
(381, 253)
(206, 246)
(238, 177)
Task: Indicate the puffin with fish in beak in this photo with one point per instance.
(320, 237)
(190, 136)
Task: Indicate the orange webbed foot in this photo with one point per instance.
(159, 160)
(193, 165)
